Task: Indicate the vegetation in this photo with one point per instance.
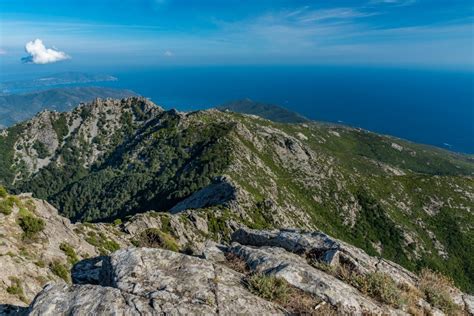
(268, 287)
(41, 149)
(31, 225)
(70, 252)
(155, 238)
(293, 300)
(3, 192)
(436, 289)
(15, 288)
(6, 205)
(103, 244)
(60, 270)
(370, 190)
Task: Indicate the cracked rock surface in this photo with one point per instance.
(145, 281)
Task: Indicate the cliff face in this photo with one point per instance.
(111, 159)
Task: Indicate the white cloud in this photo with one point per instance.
(394, 2)
(168, 53)
(3, 52)
(39, 54)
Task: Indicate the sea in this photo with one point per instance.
(434, 107)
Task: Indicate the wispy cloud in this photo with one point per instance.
(168, 53)
(393, 2)
(39, 54)
(2, 51)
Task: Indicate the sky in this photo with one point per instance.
(427, 33)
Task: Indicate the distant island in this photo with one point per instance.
(57, 79)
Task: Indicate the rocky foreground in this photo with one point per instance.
(259, 273)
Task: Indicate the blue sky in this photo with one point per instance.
(431, 33)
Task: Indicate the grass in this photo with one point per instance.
(69, 252)
(293, 300)
(15, 288)
(377, 285)
(3, 192)
(436, 289)
(277, 290)
(102, 243)
(268, 287)
(154, 238)
(60, 270)
(236, 263)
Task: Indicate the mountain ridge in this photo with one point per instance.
(111, 159)
(15, 108)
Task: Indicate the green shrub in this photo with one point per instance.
(40, 263)
(3, 192)
(155, 238)
(101, 242)
(60, 270)
(6, 207)
(31, 225)
(117, 222)
(15, 288)
(70, 252)
(268, 287)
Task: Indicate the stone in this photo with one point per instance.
(146, 281)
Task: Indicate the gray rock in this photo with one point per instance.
(325, 249)
(294, 269)
(89, 271)
(219, 192)
(469, 303)
(88, 300)
(145, 281)
(213, 251)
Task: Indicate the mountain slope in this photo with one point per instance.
(39, 263)
(269, 111)
(18, 107)
(111, 159)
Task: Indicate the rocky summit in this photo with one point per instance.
(132, 209)
(240, 279)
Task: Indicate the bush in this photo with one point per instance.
(155, 238)
(101, 242)
(70, 252)
(268, 287)
(60, 270)
(3, 192)
(15, 288)
(376, 285)
(31, 225)
(383, 288)
(436, 289)
(6, 207)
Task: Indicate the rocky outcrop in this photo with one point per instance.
(26, 262)
(148, 281)
(325, 249)
(221, 192)
(151, 281)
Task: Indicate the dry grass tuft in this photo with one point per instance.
(437, 291)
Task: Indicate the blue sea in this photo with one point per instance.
(434, 107)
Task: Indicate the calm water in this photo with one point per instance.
(431, 107)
